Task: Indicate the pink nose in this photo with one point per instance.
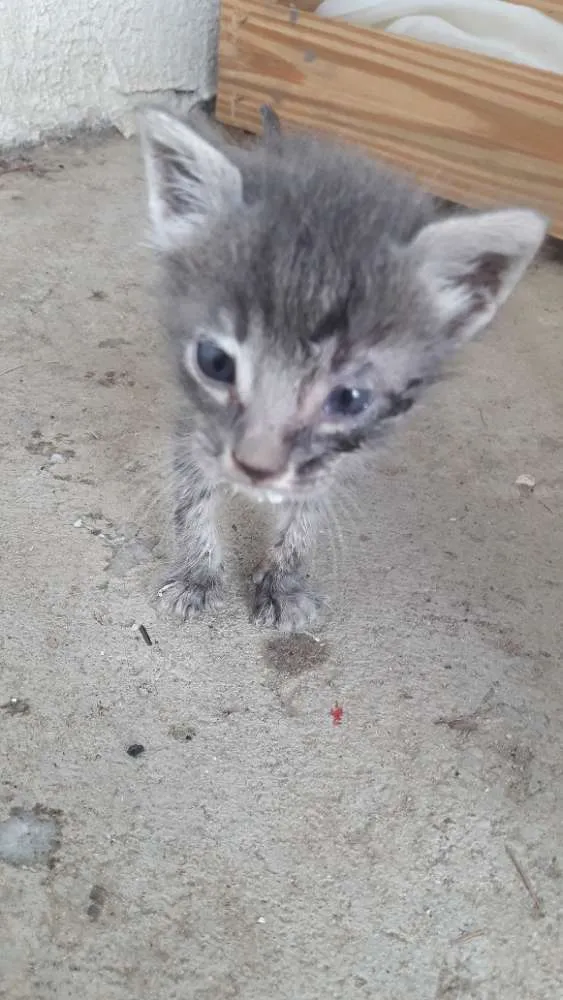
(255, 473)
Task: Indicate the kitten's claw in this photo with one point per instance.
(187, 597)
(284, 602)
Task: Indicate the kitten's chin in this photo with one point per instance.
(298, 494)
(272, 496)
(261, 495)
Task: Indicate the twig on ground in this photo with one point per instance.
(538, 905)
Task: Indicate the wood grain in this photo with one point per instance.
(476, 130)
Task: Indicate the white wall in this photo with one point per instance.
(65, 63)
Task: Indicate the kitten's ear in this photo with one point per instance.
(271, 127)
(189, 180)
(471, 263)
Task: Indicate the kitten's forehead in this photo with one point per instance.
(280, 364)
(297, 301)
(294, 273)
(271, 279)
(262, 336)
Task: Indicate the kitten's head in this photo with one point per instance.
(311, 295)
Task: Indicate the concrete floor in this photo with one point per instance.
(271, 853)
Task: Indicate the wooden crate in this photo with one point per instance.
(476, 130)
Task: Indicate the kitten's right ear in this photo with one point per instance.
(189, 180)
(471, 263)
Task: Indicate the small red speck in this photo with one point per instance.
(337, 712)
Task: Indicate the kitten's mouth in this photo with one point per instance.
(273, 489)
(292, 493)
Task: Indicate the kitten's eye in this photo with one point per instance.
(215, 363)
(345, 402)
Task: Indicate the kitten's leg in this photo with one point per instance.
(282, 598)
(194, 580)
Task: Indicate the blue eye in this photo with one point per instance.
(345, 402)
(215, 363)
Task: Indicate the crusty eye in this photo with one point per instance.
(215, 363)
(346, 402)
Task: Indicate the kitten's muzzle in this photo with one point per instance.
(260, 457)
(257, 474)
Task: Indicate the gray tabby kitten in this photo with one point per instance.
(310, 295)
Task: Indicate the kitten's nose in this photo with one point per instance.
(256, 473)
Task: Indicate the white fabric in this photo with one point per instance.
(489, 27)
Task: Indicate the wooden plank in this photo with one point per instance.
(476, 130)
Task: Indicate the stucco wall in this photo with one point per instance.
(66, 63)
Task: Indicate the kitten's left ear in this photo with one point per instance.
(189, 180)
(271, 127)
(471, 263)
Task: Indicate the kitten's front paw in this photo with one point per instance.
(189, 596)
(283, 601)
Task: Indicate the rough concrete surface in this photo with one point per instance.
(89, 62)
(254, 849)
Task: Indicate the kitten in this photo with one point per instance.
(310, 295)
